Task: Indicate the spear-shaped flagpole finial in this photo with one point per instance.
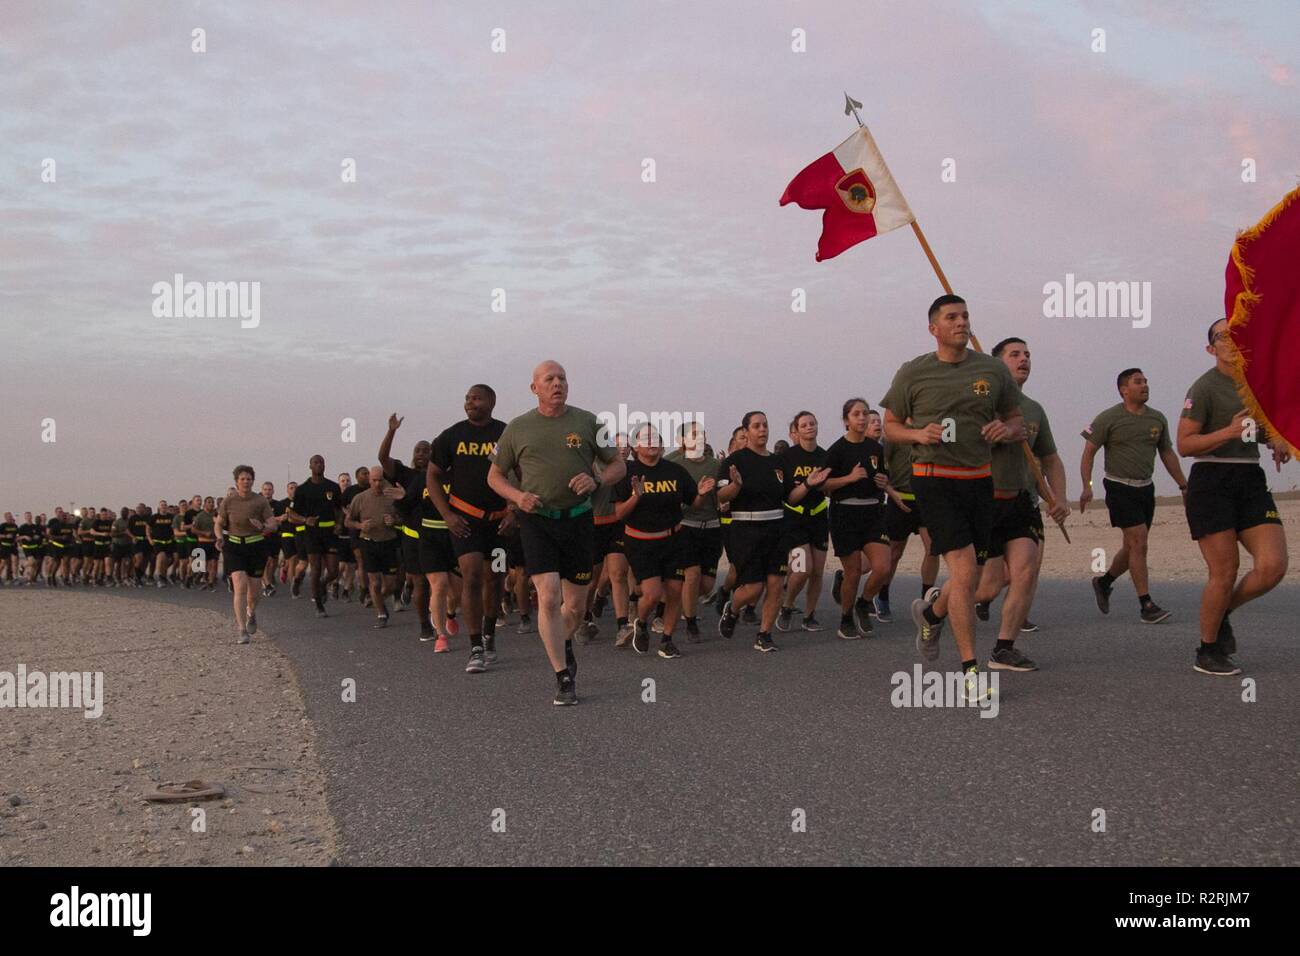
(851, 107)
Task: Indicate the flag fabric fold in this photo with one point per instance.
(854, 187)
(1262, 304)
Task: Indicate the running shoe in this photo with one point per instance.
(668, 650)
(982, 610)
(836, 584)
(477, 664)
(848, 630)
(862, 617)
(657, 625)
(566, 693)
(693, 632)
(1153, 613)
(296, 590)
(640, 637)
(381, 621)
(490, 648)
(598, 605)
(810, 623)
(1227, 641)
(927, 634)
(971, 688)
(243, 638)
(727, 622)
(320, 608)
(428, 634)
(1215, 663)
(440, 645)
(590, 631)
(1028, 627)
(763, 642)
(526, 625)
(1102, 593)
(750, 616)
(252, 623)
(1010, 659)
(453, 626)
(624, 637)
(784, 617)
(881, 610)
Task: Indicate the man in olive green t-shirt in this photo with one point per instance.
(953, 405)
(1133, 434)
(553, 450)
(1228, 502)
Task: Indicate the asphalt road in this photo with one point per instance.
(736, 743)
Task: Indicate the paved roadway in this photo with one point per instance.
(713, 771)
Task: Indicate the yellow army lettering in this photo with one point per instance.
(656, 487)
(486, 448)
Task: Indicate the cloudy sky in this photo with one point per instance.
(522, 170)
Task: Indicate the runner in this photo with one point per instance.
(651, 498)
(857, 518)
(205, 540)
(29, 548)
(86, 545)
(473, 514)
(807, 524)
(1228, 503)
(349, 493)
(1016, 543)
(425, 558)
(960, 403)
(239, 529)
(138, 523)
(344, 543)
(701, 533)
(291, 532)
(723, 593)
(1133, 434)
(55, 548)
(159, 534)
(553, 449)
(316, 504)
(270, 540)
(753, 482)
(9, 549)
(372, 515)
(121, 548)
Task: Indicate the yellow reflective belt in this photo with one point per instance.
(324, 524)
(825, 502)
(410, 532)
(432, 523)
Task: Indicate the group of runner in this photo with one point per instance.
(488, 512)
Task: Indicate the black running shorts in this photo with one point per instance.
(1013, 518)
(702, 548)
(758, 550)
(801, 529)
(380, 557)
(853, 527)
(1228, 497)
(436, 552)
(958, 513)
(609, 539)
(661, 558)
(559, 545)
(249, 558)
(482, 539)
(899, 524)
(1129, 506)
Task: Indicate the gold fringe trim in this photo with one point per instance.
(1242, 307)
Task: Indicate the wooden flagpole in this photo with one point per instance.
(851, 106)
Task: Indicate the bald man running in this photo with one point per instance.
(553, 449)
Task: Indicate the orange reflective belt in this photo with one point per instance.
(461, 505)
(920, 470)
(605, 519)
(648, 535)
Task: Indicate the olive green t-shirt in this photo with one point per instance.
(1211, 402)
(1131, 441)
(1010, 469)
(898, 462)
(203, 524)
(120, 532)
(549, 452)
(374, 506)
(237, 514)
(706, 466)
(972, 392)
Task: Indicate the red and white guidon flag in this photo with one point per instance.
(853, 184)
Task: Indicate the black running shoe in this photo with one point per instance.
(835, 586)
(320, 608)
(784, 618)
(490, 648)
(763, 642)
(252, 623)
(749, 616)
(296, 589)
(862, 617)
(1215, 663)
(982, 610)
(640, 637)
(810, 623)
(667, 650)
(1102, 593)
(381, 621)
(476, 665)
(848, 630)
(1010, 659)
(727, 622)
(598, 605)
(1153, 613)
(693, 632)
(566, 693)
(427, 634)
(1028, 627)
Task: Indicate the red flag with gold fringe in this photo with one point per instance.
(1262, 304)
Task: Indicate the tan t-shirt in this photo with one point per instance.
(236, 513)
(372, 506)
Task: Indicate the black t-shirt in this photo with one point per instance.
(103, 529)
(162, 526)
(68, 531)
(136, 523)
(289, 526)
(464, 452)
(31, 531)
(276, 505)
(351, 492)
(415, 504)
(318, 500)
(188, 520)
(762, 481)
(798, 465)
(841, 458)
(55, 529)
(668, 487)
(8, 532)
